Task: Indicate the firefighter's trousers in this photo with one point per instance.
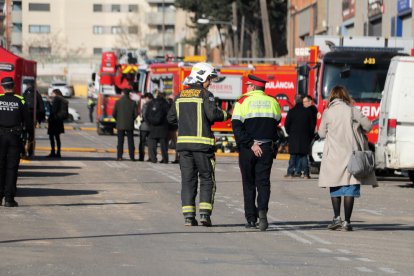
(10, 148)
(196, 165)
(255, 173)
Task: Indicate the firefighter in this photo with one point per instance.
(194, 111)
(254, 121)
(13, 116)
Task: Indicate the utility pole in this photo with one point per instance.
(235, 39)
(163, 27)
(266, 29)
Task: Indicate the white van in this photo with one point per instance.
(395, 146)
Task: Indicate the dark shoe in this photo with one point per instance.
(190, 221)
(119, 159)
(141, 159)
(11, 203)
(263, 224)
(205, 220)
(133, 159)
(51, 155)
(336, 223)
(346, 226)
(1, 200)
(164, 162)
(250, 225)
(306, 176)
(58, 155)
(175, 162)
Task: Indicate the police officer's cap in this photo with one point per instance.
(256, 81)
(7, 81)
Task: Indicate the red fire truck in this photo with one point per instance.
(117, 72)
(360, 64)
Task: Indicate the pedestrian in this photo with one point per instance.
(125, 113)
(300, 126)
(194, 111)
(172, 136)
(91, 101)
(55, 123)
(254, 121)
(36, 108)
(144, 126)
(14, 115)
(308, 103)
(339, 139)
(156, 116)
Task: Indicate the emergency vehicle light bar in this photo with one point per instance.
(366, 49)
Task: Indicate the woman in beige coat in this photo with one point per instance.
(340, 141)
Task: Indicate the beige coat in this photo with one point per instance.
(339, 138)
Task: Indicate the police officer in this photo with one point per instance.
(254, 121)
(194, 110)
(13, 116)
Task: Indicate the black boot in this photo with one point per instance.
(190, 221)
(10, 203)
(205, 220)
(263, 224)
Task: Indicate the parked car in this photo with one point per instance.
(67, 90)
(74, 115)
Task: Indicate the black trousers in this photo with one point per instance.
(196, 165)
(255, 173)
(10, 148)
(152, 149)
(131, 146)
(52, 138)
(143, 135)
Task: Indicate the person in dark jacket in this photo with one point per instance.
(158, 130)
(55, 123)
(300, 126)
(194, 111)
(308, 103)
(35, 105)
(125, 113)
(144, 127)
(14, 116)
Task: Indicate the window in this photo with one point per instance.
(17, 6)
(97, 8)
(17, 28)
(116, 8)
(97, 51)
(133, 29)
(133, 8)
(40, 50)
(39, 7)
(98, 29)
(42, 29)
(116, 30)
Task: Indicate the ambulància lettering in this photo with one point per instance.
(280, 85)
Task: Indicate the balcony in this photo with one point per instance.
(155, 18)
(155, 40)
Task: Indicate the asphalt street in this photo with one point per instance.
(87, 214)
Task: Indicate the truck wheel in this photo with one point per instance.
(411, 176)
(99, 129)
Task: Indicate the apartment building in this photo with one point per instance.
(385, 18)
(11, 25)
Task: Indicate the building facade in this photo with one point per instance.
(381, 18)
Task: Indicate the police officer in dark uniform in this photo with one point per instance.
(254, 121)
(14, 116)
(194, 110)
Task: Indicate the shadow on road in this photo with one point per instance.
(408, 185)
(89, 204)
(34, 192)
(30, 167)
(44, 174)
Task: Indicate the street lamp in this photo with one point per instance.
(206, 21)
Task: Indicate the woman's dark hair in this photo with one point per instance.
(339, 92)
(57, 92)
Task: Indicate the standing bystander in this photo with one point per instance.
(144, 126)
(58, 113)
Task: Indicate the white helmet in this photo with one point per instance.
(200, 72)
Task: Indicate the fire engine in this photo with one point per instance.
(358, 63)
(116, 72)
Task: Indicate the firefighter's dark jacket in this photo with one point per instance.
(255, 117)
(194, 111)
(14, 112)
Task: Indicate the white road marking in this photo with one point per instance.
(72, 163)
(324, 250)
(344, 259)
(365, 260)
(345, 251)
(372, 212)
(364, 269)
(388, 270)
(165, 173)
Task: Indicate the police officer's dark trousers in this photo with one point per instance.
(131, 146)
(10, 148)
(196, 165)
(255, 173)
